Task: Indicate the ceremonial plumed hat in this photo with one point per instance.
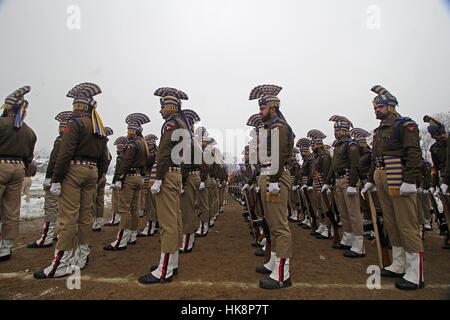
(109, 131)
(360, 135)
(384, 97)
(63, 117)
(316, 136)
(16, 102)
(171, 97)
(267, 95)
(435, 127)
(255, 120)
(303, 144)
(136, 120)
(121, 141)
(191, 116)
(82, 95)
(341, 122)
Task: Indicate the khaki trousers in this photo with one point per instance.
(203, 202)
(115, 202)
(424, 207)
(11, 179)
(276, 217)
(75, 206)
(349, 209)
(187, 201)
(99, 198)
(150, 204)
(169, 213)
(400, 216)
(319, 205)
(129, 202)
(50, 206)
(26, 188)
(212, 200)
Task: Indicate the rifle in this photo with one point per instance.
(443, 226)
(440, 217)
(380, 241)
(310, 212)
(251, 213)
(331, 215)
(265, 229)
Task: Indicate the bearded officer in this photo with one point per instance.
(395, 170)
(275, 184)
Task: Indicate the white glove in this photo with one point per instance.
(325, 187)
(444, 188)
(310, 188)
(352, 191)
(55, 189)
(118, 185)
(431, 190)
(274, 188)
(257, 189)
(156, 187)
(407, 189)
(47, 183)
(295, 187)
(303, 187)
(369, 186)
(246, 187)
(419, 190)
(425, 191)
(202, 186)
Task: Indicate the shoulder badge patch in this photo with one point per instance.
(411, 127)
(169, 126)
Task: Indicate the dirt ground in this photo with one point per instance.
(222, 266)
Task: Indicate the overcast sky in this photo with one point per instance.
(325, 54)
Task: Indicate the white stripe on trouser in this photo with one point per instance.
(398, 260)
(280, 274)
(414, 267)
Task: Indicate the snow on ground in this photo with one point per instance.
(35, 208)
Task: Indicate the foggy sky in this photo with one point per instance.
(321, 52)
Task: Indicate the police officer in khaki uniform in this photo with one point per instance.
(304, 145)
(128, 179)
(81, 159)
(204, 195)
(439, 156)
(51, 200)
(191, 183)
(395, 169)
(344, 171)
(168, 184)
(17, 142)
(319, 171)
(98, 207)
(150, 177)
(294, 201)
(120, 144)
(275, 185)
